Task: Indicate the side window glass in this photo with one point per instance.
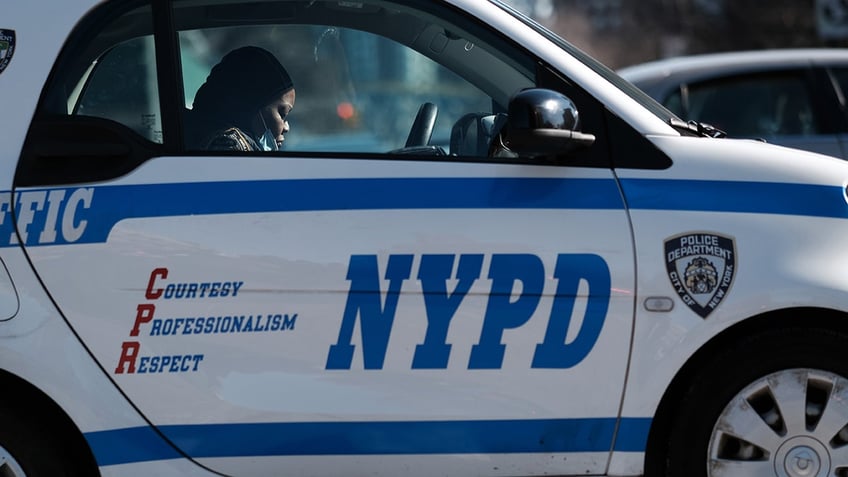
(123, 87)
(114, 77)
(360, 84)
(761, 106)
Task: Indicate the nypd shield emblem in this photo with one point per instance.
(7, 47)
(701, 266)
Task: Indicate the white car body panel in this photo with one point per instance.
(298, 265)
(32, 59)
(807, 270)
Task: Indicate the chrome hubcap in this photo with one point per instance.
(802, 457)
(792, 423)
(9, 467)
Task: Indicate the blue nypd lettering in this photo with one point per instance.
(45, 217)
(504, 311)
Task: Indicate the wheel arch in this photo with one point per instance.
(25, 397)
(808, 317)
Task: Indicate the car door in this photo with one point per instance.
(360, 301)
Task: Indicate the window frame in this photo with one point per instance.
(55, 150)
(43, 163)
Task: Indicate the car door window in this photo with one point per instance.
(754, 106)
(363, 72)
(361, 80)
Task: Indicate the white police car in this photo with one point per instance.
(489, 287)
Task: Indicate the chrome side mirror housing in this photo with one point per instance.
(544, 122)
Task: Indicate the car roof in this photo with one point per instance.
(694, 67)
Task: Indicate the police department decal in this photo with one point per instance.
(701, 266)
(7, 47)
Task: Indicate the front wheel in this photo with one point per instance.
(9, 467)
(775, 404)
(36, 442)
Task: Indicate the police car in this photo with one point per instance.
(479, 252)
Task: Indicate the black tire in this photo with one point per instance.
(40, 446)
(744, 386)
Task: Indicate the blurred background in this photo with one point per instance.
(625, 32)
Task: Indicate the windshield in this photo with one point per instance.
(637, 94)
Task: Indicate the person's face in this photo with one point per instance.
(275, 116)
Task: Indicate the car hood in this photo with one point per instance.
(748, 160)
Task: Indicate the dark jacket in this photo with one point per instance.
(229, 139)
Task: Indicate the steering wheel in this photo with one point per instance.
(422, 127)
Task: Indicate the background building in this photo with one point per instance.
(625, 32)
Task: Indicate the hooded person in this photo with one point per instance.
(243, 105)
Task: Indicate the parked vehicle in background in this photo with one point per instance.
(793, 97)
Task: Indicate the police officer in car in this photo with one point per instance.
(243, 105)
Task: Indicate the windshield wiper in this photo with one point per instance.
(701, 129)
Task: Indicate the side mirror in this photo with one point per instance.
(543, 122)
